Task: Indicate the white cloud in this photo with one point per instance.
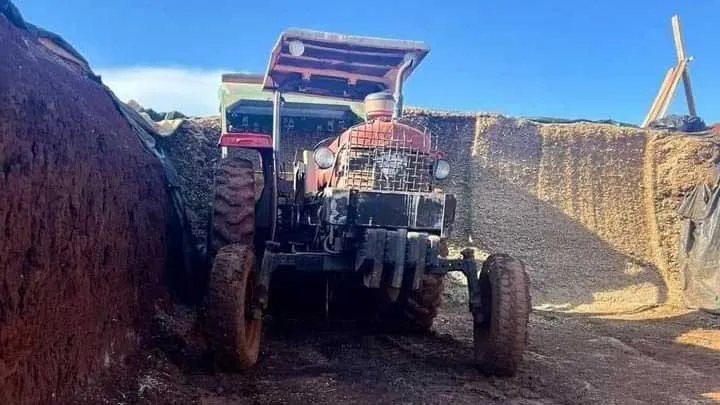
(188, 90)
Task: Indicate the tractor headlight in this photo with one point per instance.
(442, 169)
(324, 157)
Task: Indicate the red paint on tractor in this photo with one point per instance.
(374, 134)
(245, 140)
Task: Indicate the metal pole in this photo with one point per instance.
(397, 111)
(277, 120)
(277, 126)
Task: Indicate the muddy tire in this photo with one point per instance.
(234, 336)
(232, 217)
(421, 306)
(416, 311)
(501, 331)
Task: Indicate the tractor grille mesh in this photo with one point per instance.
(386, 156)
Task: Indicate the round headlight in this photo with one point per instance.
(324, 157)
(442, 169)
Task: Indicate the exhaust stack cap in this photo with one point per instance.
(379, 105)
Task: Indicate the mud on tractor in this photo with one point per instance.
(361, 207)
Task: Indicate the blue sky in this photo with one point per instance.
(571, 59)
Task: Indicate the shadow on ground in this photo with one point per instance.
(571, 268)
(572, 358)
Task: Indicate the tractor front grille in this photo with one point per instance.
(386, 156)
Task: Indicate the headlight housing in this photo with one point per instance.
(324, 157)
(442, 169)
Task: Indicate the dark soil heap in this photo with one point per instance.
(83, 213)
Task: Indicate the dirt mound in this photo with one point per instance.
(83, 213)
(193, 152)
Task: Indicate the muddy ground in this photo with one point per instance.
(659, 356)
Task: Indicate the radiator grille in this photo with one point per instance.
(386, 156)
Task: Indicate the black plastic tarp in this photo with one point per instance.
(700, 248)
(681, 123)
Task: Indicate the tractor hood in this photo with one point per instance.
(338, 66)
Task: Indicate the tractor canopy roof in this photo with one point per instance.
(338, 66)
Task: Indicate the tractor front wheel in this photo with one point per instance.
(501, 322)
(421, 306)
(412, 311)
(233, 332)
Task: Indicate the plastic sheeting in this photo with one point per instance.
(681, 123)
(700, 248)
(553, 120)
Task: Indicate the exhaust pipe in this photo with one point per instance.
(397, 111)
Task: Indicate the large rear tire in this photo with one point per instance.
(501, 327)
(234, 335)
(233, 214)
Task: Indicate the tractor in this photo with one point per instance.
(360, 207)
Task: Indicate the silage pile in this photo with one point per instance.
(192, 150)
(592, 208)
(83, 217)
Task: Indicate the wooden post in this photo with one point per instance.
(680, 49)
(679, 70)
(667, 90)
(662, 94)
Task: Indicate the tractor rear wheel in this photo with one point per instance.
(233, 333)
(500, 329)
(233, 213)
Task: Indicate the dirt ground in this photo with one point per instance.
(659, 356)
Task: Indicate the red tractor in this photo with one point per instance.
(361, 211)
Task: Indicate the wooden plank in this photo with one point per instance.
(673, 86)
(677, 36)
(652, 114)
(680, 50)
(688, 92)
